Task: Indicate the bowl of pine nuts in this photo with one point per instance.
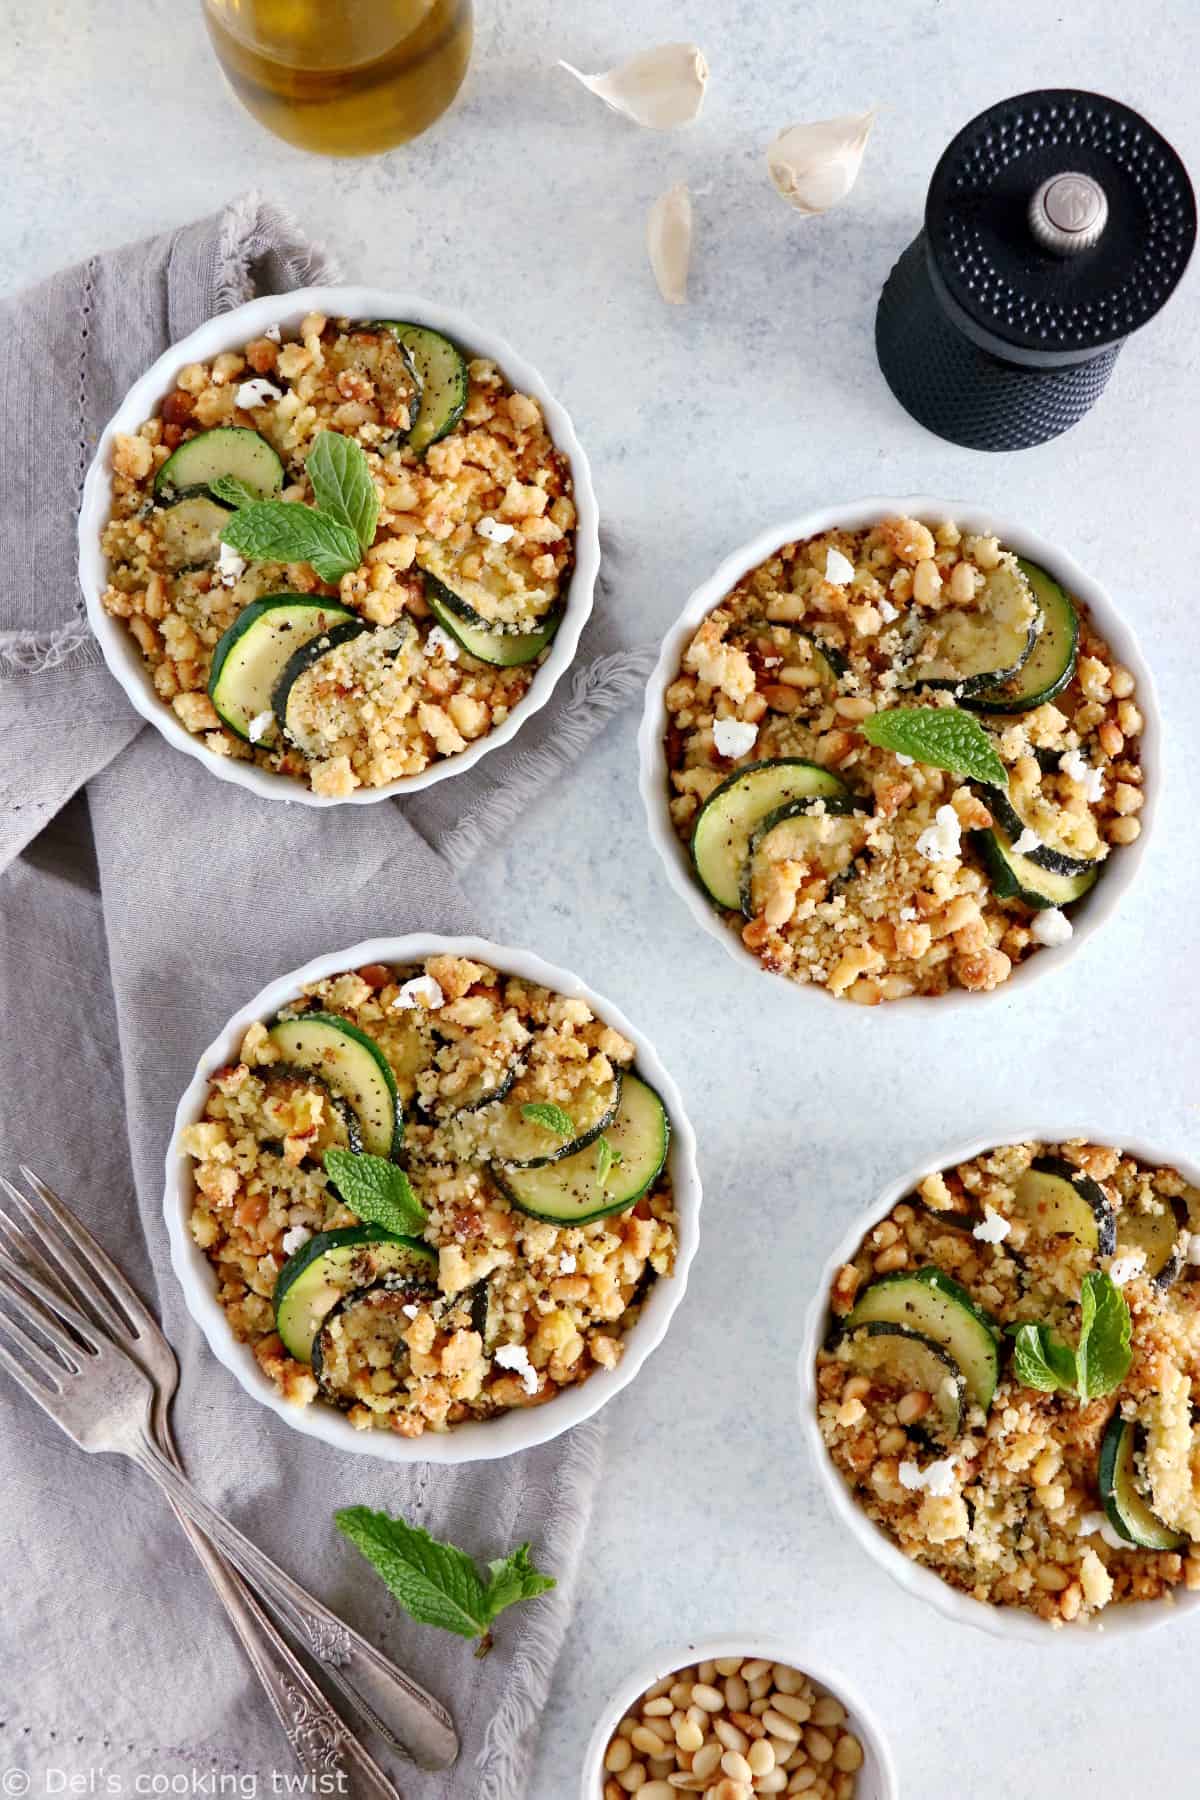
(734, 1717)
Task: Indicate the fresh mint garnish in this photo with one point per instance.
(945, 736)
(377, 1191)
(438, 1584)
(606, 1161)
(550, 1117)
(232, 491)
(342, 485)
(1042, 1360)
(289, 532)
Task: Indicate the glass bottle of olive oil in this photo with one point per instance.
(343, 77)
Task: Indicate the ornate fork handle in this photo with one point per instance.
(404, 1715)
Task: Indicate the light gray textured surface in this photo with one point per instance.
(527, 204)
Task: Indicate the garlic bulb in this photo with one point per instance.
(658, 88)
(669, 242)
(815, 166)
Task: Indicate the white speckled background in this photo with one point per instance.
(526, 205)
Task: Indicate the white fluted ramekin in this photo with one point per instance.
(877, 1776)
(1123, 866)
(1001, 1621)
(230, 331)
(483, 1439)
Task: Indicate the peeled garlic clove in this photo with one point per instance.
(669, 241)
(659, 88)
(815, 166)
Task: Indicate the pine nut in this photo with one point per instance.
(791, 1681)
(686, 1784)
(613, 1792)
(737, 1694)
(736, 1767)
(732, 1790)
(689, 1737)
(761, 1757)
(706, 1761)
(627, 1727)
(912, 1407)
(618, 1756)
(759, 1685)
(707, 1698)
(819, 1747)
(660, 1687)
(828, 1711)
(656, 1790)
(648, 1742)
(728, 1665)
(857, 1388)
(706, 1672)
(698, 1716)
(730, 1736)
(751, 1671)
(802, 1780)
(849, 1753)
(748, 1723)
(632, 1778)
(660, 1708)
(681, 1693)
(774, 1783)
(792, 1707)
(780, 1727)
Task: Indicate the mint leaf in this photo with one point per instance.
(377, 1191)
(945, 736)
(436, 1583)
(606, 1161)
(1105, 1332)
(553, 1118)
(1042, 1360)
(233, 491)
(342, 485)
(285, 531)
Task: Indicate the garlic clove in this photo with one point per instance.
(815, 166)
(669, 242)
(658, 88)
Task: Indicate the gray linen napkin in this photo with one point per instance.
(129, 930)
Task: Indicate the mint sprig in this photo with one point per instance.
(1043, 1360)
(550, 1117)
(607, 1160)
(342, 485)
(287, 531)
(944, 736)
(378, 1191)
(437, 1583)
(232, 491)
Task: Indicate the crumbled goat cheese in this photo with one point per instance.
(515, 1356)
(294, 1237)
(838, 568)
(1072, 763)
(1191, 1249)
(733, 737)
(230, 566)
(937, 1479)
(941, 841)
(567, 1264)
(441, 640)
(1098, 1521)
(887, 611)
(273, 334)
(257, 393)
(1051, 927)
(906, 762)
(422, 990)
(410, 1311)
(1124, 1268)
(259, 726)
(494, 531)
(1027, 842)
(994, 1229)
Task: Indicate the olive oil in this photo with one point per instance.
(343, 77)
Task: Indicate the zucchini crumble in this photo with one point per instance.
(423, 647)
(1017, 1496)
(537, 1153)
(865, 870)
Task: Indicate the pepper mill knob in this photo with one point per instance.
(1068, 214)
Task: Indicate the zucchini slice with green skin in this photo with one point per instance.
(1050, 664)
(1129, 1514)
(287, 691)
(1159, 1235)
(190, 531)
(280, 1075)
(827, 840)
(252, 655)
(1055, 857)
(976, 647)
(486, 1317)
(484, 602)
(362, 1335)
(501, 649)
(1062, 1201)
(1016, 877)
(333, 1263)
(500, 1133)
(569, 1192)
(442, 372)
(228, 450)
(734, 811)
(935, 1306)
(829, 663)
(353, 1065)
(376, 352)
(910, 1362)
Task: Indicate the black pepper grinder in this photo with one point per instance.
(1057, 223)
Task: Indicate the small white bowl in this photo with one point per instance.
(1090, 914)
(1001, 1621)
(877, 1776)
(229, 331)
(483, 1439)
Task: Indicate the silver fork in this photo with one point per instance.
(105, 1401)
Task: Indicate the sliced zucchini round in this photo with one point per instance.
(486, 602)
(377, 353)
(1128, 1511)
(1064, 1202)
(361, 1342)
(827, 834)
(486, 1317)
(574, 1190)
(1054, 857)
(760, 634)
(484, 1089)
(442, 372)
(228, 450)
(252, 655)
(501, 649)
(1159, 1235)
(283, 1078)
(735, 810)
(909, 1362)
(290, 688)
(501, 1133)
(190, 532)
(353, 1065)
(974, 647)
(1050, 664)
(333, 1263)
(1017, 877)
(934, 1305)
